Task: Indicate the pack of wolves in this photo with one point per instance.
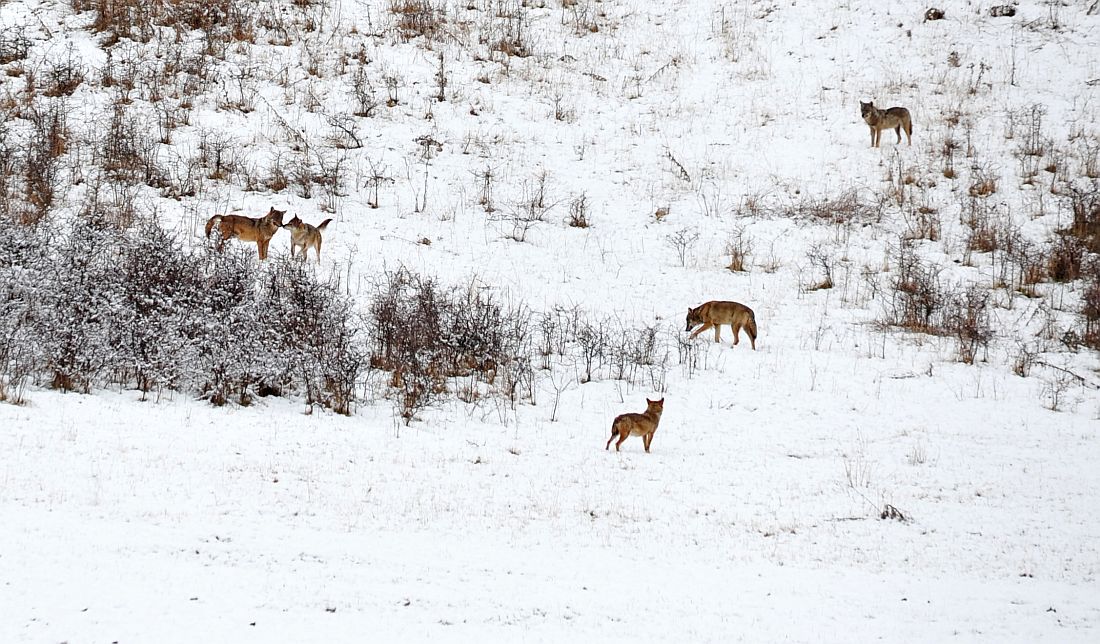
(708, 315)
(714, 314)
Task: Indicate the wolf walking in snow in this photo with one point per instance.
(716, 313)
(643, 424)
(247, 229)
(305, 236)
(895, 118)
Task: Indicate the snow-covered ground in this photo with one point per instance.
(753, 519)
(757, 515)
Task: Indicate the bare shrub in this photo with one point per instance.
(62, 77)
(1084, 203)
(918, 299)
(217, 152)
(485, 184)
(592, 344)
(821, 260)
(405, 328)
(425, 334)
(393, 82)
(417, 18)
(531, 209)
(127, 151)
(984, 181)
(277, 179)
(1024, 360)
(638, 355)
(342, 132)
(848, 206)
(42, 169)
(982, 226)
(366, 97)
(689, 355)
(1034, 142)
(512, 35)
(967, 319)
(578, 212)
(739, 246)
(682, 241)
(948, 149)
(711, 200)
(917, 455)
(14, 44)
(1090, 311)
(441, 79)
(1089, 156)
(302, 171)
(582, 17)
(374, 182)
(110, 202)
(10, 163)
(1065, 260)
(922, 222)
(219, 21)
(1029, 260)
(331, 171)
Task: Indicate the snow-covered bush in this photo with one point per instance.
(87, 304)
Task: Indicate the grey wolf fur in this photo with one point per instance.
(305, 236)
(895, 118)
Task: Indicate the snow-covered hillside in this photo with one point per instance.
(907, 456)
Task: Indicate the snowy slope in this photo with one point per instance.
(757, 515)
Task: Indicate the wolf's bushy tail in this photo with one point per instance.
(614, 433)
(751, 326)
(324, 223)
(210, 223)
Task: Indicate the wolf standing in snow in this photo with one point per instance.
(643, 424)
(895, 118)
(247, 228)
(305, 236)
(716, 313)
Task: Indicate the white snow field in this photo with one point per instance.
(758, 516)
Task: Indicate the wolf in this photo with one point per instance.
(895, 118)
(305, 236)
(643, 424)
(716, 313)
(247, 228)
